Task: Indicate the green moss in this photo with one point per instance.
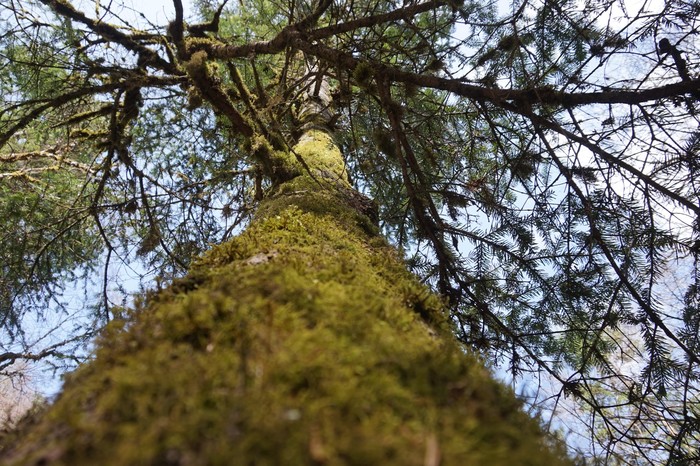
(197, 63)
(319, 152)
(315, 157)
(316, 181)
(299, 342)
(316, 196)
(194, 45)
(363, 74)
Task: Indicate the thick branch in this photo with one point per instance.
(314, 16)
(208, 86)
(55, 155)
(369, 21)
(524, 97)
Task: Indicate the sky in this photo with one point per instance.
(158, 12)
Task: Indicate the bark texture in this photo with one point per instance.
(302, 341)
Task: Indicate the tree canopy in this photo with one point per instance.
(535, 160)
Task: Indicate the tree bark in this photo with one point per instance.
(302, 341)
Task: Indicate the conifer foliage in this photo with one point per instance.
(536, 161)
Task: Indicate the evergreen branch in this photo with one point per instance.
(210, 89)
(54, 103)
(522, 98)
(112, 34)
(423, 206)
(43, 105)
(57, 154)
(619, 272)
(313, 17)
(612, 160)
(10, 357)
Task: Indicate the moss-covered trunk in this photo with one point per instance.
(302, 341)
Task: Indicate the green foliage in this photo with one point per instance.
(47, 233)
(39, 246)
(537, 161)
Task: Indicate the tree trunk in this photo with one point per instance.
(302, 341)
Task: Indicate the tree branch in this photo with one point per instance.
(111, 33)
(291, 36)
(369, 21)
